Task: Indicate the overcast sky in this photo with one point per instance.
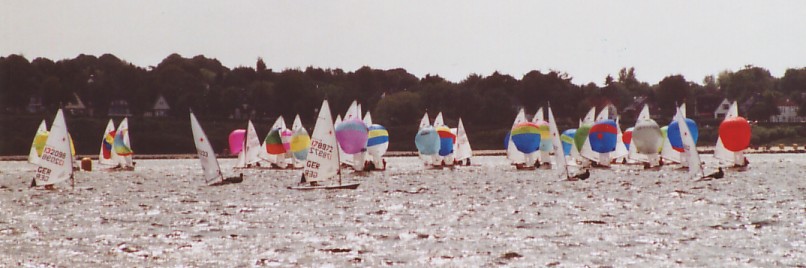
(586, 39)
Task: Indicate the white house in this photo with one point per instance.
(722, 109)
(788, 112)
(77, 107)
(160, 108)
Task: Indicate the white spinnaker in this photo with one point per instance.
(56, 163)
(111, 161)
(556, 144)
(323, 157)
(694, 164)
(33, 156)
(463, 150)
(252, 146)
(424, 122)
(513, 154)
(210, 168)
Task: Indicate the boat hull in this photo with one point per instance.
(351, 186)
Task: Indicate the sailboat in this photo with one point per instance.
(462, 149)
(107, 155)
(39, 141)
(621, 152)
(346, 159)
(586, 153)
(122, 146)
(516, 157)
(377, 144)
(56, 163)
(250, 155)
(736, 159)
(299, 143)
(559, 155)
(322, 166)
(211, 171)
(690, 148)
(646, 140)
(667, 152)
(273, 149)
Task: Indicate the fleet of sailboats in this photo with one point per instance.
(320, 155)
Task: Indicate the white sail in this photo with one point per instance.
(252, 146)
(556, 144)
(621, 148)
(603, 114)
(538, 116)
(590, 117)
(682, 110)
(33, 156)
(352, 112)
(644, 115)
(108, 138)
(694, 164)
(667, 152)
(56, 163)
(323, 158)
(297, 123)
(123, 129)
(368, 119)
(439, 122)
(424, 122)
(210, 169)
(279, 123)
(463, 150)
(513, 154)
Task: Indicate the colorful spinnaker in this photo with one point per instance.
(123, 146)
(107, 156)
(38, 144)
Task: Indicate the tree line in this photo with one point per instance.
(396, 97)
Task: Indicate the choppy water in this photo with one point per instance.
(487, 215)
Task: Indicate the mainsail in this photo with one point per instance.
(559, 155)
(107, 155)
(322, 162)
(463, 150)
(694, 164)
(56, 163)
(123, 144)
(210, 168)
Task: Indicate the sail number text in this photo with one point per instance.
(42, 174)
(320, 149)
(54, 156)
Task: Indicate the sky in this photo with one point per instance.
(586, 39)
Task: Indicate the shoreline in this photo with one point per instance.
(701, 150)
